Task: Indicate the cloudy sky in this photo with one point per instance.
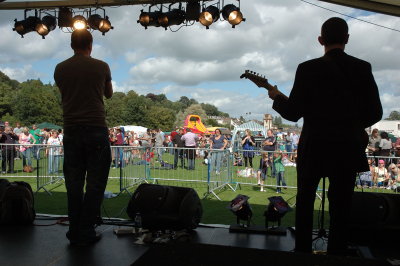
(206, 64)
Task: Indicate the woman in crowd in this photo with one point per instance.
(263, 169)
(218, 143)
(373, 144)
(248, 143)
(385, 145)
(26, 139)
(381, 177)
(54, 153)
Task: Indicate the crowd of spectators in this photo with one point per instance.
(186, 146)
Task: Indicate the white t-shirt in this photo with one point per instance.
(381, 172)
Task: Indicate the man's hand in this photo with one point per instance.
(272, 93)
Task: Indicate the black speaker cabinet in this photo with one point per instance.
(165, 207)
(374, 218)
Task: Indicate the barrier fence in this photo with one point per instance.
(215, 170)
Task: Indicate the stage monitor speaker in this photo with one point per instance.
(374, 218)
(166, 207)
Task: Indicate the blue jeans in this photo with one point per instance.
(280, 180)
(27, 157)
(54, 161)
(87, 157)
(216, 158)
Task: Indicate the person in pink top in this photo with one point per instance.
(26, 139)
(190, 139)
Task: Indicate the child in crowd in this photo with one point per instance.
(263, 169)
(381, 177)
(237, 159)
(279, 171)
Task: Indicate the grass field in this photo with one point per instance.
(214, 211)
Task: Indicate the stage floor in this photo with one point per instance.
(208, 245)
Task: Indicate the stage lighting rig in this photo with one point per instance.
(100, 23)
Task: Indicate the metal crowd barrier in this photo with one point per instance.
(135, 165)
(49, 167)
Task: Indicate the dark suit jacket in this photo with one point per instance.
(338, 98)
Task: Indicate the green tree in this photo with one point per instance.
(277, 121)
(394, 115)
(160, 117)
(36, 103)
(211, 122)
(115, 109)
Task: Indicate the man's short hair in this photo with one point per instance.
(81, 39)
(334, 31)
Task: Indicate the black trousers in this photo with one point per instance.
(341, 188)
(8, 157)
(87, 157)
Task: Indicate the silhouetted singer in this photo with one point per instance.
(83, 81)
(338, 98)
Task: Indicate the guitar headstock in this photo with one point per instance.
(256, 78)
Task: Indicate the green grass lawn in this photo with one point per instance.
(214, 211)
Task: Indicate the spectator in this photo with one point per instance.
(385, 146)
(18, 129)
(248, 143)
(190, 139)
(373, 144)
(178, 151)
(159, 144)
(218, 143)
(54, 153)
(119, 141)
(8, 139)
(397, 148)
(393, 173)
(279, 172)
(26, 139)
(37, 135)
(366, 178)
(295, 140)
(269, 145)
(263, 169)
(381, 177)
(145, 139)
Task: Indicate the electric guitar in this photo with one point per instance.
(259, 80)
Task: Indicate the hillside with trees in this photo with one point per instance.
(32, 102)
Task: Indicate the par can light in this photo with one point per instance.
(209, 16)
(173, 17)
(232, 14)
(149, 19)
(79, 22)
(23, 27)
(47, 24)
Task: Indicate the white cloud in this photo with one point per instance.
(202, 64)
(21, 74)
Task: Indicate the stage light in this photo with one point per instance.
(173, 17)
(25, 26)
(47, 24)
(96, 22)
(232, 14)
(149, 19)
(209, 15)
(79, 22)
(276, 209)
(241, 208)
(65, 17)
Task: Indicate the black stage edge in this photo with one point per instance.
(208, 245)
(257, 229)
(202, 254)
